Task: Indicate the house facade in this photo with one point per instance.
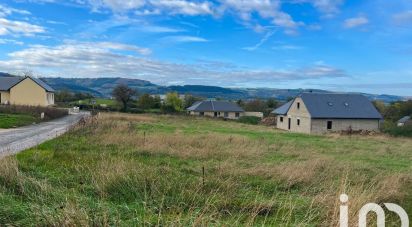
(322, 113)
(26, 91)
(221, 109)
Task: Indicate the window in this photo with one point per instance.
(298, 104)
(329, 126)
(215, 114)
(218, 114)
(298, 122)
(237, 115)
(202, 113)
(281, 119)
(226, 114)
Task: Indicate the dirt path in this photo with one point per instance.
(13, 141)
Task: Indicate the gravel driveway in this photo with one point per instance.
(13, 141)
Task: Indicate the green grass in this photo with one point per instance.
(134, 170)
(15, 120)
(99, 101)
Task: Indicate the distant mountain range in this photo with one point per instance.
(102, 87)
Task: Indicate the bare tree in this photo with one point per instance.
(124, 94)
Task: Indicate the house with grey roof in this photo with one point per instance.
(405, 121)
(328, 112)
(28, 91)
(211, 108)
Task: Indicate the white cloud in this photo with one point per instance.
(16, 28)
(287, 47)
(152, 7)
(10, 41)
(261, 42)
(355, 22)
(244, 9)
(183, 7)
(6, 11)
(328, 7)
(403, 17)
(116, 5)
(99, 60)
(10, 27)
(184, 39)
(120, 46)
(267, 9)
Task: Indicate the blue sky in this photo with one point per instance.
(341, 45)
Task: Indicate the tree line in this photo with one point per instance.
(394, 111)
(130, 100)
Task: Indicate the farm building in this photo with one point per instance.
(320, 113)
(25, 91)
(405, 121)
(210, 108)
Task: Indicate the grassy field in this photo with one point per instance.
(99, 101)
(136, 170)
(15, 120)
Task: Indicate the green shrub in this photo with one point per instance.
(405, 131)
(249, 120)
(35, 111)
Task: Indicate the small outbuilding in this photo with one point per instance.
(210, 108)
(404, 121)
(328, 112)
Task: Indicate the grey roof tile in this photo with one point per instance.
(42, 84)
(404, 119)
(283, 110)
(7, 82)
(215, 106)
(343, 106)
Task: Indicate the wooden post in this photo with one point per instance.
(203, 176)
(144, 138)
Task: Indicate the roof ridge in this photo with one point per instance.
(213, 106)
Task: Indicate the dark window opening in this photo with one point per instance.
(298, 122)
(329, 127)
(215, 114)
(289, 123)
(202, 113)
(298, 105)
(281, 119)
(226, 114)
(237, 115)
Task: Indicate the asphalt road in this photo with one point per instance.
(13, 141)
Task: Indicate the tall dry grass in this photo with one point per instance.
(111, 172)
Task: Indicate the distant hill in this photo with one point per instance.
(102, 87)
(5, 75)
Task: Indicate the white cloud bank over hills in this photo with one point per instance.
(107, 59)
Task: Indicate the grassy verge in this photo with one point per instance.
(134, 170)
(16, 116)
(15, 120)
